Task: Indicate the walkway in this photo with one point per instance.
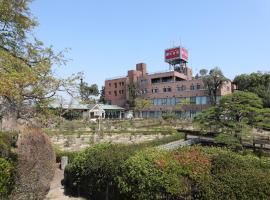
(177, 144)
(56, 191)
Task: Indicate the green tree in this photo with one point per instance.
(258, 83)
(87, 92)
(27, 82)
(142, 104)
(203, 72)
(213, 82)
(133, 92)
(102, 95)
(235, 114)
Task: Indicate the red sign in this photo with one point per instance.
(171, 54)
(184, 54)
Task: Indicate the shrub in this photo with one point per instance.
(7, 141)
(92, 173)
(6, 177)
(152, 174)
(59, 153)
(235, 176)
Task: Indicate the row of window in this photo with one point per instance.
(178, 88)
(115, 84)
(180, 114)
(178, 100)
(115, 92)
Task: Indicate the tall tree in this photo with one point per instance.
(87, 92)
(213, 82)
(236, 114)
(27, 83)
(258, 83)
(102, 95)
(133, 92)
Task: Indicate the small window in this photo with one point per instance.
(192, 87)
(198, 86)
(115, 93)
(109, 84)
(115, 85)
(164, 89)
(110, 93)
(169, 89)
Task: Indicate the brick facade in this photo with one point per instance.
(165, 90)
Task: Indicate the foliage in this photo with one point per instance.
(102, 95)
(7, 142)
(86, 92)
(168, 116)
(263, 119)
(213, 82)
(203, 72)
(235, 114)
(152, 174)
(26, 74)
(235, 176)
(133, 91)
(229, 140)
(92, 172)
(136, 172)
(258, 83)
(6, 177)
(60, 153)
(142, 104)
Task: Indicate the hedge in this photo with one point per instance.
(107, 171)
(6, 177)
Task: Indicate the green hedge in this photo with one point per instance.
(6, 177)
(92, 173)
(137, 172)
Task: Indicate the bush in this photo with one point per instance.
(153, 174)
(137, 172)
(92, 173)
(59, 153)
(7, 141)
(235, 176)
(6, 177)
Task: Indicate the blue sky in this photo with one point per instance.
(108, 37)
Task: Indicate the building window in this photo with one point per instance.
(115, 93)
(198, 86)
(192, 87)
(164, 89)
(109, 84)
(163, 101)
(182, 88)
(110, 93)
(115, 85)
(169, 89)
(192, 100)
(123, 83)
